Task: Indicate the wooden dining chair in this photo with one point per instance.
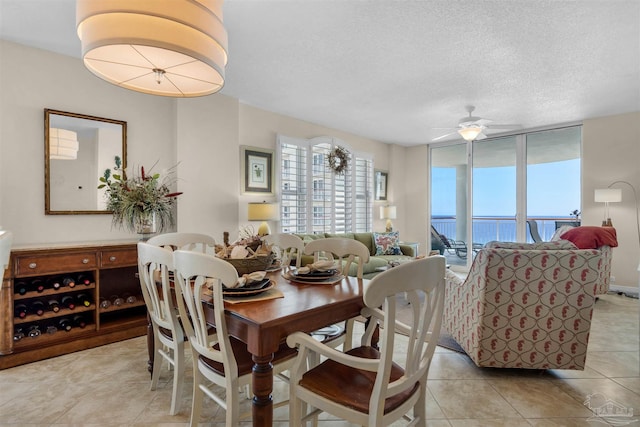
(371, 387)
(220, 359)
(287, 246)
(187, 241)
(154, 265)
(345, 252)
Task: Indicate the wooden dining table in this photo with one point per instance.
(264, 325)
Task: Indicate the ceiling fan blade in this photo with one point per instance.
(480, 137)
(502, 126)
(443, 136)
(483, 122)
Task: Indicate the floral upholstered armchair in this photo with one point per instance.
(527, 305)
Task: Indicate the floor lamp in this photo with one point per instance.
(616, 193)
(606, 196)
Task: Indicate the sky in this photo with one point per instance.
(553, 190)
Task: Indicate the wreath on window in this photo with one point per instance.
(339, 160)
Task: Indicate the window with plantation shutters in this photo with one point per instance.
(315, 199)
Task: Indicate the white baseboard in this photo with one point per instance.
(628, 290)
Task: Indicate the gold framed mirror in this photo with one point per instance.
(77, 150)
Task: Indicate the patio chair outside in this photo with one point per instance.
(533, 230)
(457, 247)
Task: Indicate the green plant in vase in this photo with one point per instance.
(143, 203)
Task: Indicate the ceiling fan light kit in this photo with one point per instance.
(472, 128)
(470, 133)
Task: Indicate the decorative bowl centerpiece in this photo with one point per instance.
(247, 254)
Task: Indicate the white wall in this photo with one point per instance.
(611, 152)
(203, 135)
(33, 80)
(207, 148)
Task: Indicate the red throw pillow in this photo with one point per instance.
(591, 237)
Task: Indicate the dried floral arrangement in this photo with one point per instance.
(137, 200)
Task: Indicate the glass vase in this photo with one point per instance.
(146, 225)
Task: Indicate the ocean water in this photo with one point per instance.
(503, 229)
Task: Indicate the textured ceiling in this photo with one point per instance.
(394, 70)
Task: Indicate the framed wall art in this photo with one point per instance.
(380, 184)
(258, 175)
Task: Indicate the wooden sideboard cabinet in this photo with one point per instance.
(40, 320)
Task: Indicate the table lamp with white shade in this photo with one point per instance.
(263, 212)
(388, 213)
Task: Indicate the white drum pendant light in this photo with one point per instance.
(162, 47)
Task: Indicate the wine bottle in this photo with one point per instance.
(34, 331)
(18, 334)
(22, 287)
(51, 329)
(84, 279)
(54, 283)
(116, 300)
(83, 299)
(104, 303)
(65, 324)
(20, 311)
(79, 321)
(54, 305)
(69, 281)
(130, 299)
(37, 307)
(37, 285)
(68, 302)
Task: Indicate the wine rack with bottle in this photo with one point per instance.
(58, 300)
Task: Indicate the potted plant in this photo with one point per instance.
(143, 203)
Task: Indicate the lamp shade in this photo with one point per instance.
(63, 144)
(263, 212)
(387, 212)
(470, 133)
(608, 195)
(162, 47)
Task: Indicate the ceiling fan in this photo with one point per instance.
(472, 128)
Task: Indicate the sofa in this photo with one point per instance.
(526, 305)
(376, 260)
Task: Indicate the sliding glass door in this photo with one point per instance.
(519, 184)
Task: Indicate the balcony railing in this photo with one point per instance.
(486, 229)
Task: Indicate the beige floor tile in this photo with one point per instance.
(470, 399)
(581, 389)
(615, 364)
(632, 384)
(509, 422)
(563, 422)
(109, 386)
(539, 398)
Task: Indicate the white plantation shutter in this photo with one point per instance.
(317, 200)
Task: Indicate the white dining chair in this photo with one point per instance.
(220, 359)
(6, 239)
(345, 252)
(287, 246)
(371, 387)
(155, 263)
(188, 241)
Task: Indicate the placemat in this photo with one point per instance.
(270, 294)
